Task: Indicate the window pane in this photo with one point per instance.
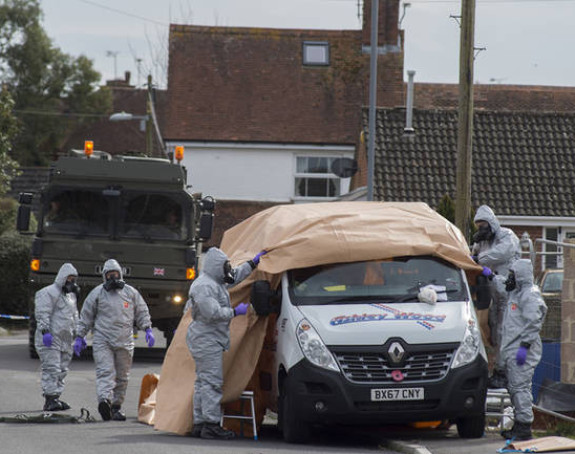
(82, 212)
(316, 54)
(317, 165)
(153, 216)
(301, 165)
(317, 187)
(300, 187)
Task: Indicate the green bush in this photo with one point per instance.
(14, 267)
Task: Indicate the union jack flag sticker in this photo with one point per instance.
(159, 271)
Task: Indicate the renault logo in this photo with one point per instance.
(395, 352)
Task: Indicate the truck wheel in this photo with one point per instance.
(294, 429)
(472, 427)
(31, 334)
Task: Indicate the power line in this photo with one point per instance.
(125, 13)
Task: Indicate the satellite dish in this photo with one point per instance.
(344, 167)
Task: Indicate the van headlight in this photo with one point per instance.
(313, 347)
(470, 347)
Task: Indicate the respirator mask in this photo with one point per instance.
(510, 282)
(229, 273)
(71, 287)
(113, 282)
(484, 233)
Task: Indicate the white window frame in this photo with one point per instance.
(310, 62)
(323, 176)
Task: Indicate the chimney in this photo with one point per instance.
(388, 22)
(408, 130)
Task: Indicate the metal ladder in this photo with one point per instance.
(246, 396)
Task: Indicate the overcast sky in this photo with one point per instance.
(526, 41)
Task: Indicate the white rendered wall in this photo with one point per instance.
(249, 171)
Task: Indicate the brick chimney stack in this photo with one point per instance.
(388, 26)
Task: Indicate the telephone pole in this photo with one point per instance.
(465, 120)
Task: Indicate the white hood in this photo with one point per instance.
(373, 324)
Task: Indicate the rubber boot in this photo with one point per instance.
(197, 430)
(52, 404)
(105, 410)
(216, 432)
(63, 404)
(117, 413)
(521, 431)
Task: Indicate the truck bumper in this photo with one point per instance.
(324, 397)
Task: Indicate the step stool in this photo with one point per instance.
(495, 403)
(246, 396)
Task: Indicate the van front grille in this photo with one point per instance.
(374, 367)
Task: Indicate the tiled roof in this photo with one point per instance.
(523, 163)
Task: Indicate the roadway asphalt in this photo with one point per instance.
(20, 393)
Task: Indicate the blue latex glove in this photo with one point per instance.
(150, 339)
(47, 339)
(258, 256)
(521, 355)
(79, 345)
(241, 309)
(487, 271)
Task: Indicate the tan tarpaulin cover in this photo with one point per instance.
(299, 236)
(544, 444)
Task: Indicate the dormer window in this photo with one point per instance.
(316, 53)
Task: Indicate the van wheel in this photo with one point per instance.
(472, 427)
(294, 429)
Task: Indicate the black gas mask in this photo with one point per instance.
(484, 233)
(229, 273)
(510, 282)
(113, 282)
(71, 287)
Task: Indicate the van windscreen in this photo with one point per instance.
(395, 280)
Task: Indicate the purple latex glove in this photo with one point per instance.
(241, 309)
(258, 256)
(487, 271)
(47, 339)
(79, 345)
(150, 339)
(521, 355)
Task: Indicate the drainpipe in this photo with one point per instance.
(408, 130)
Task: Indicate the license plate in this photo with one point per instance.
(387, 394)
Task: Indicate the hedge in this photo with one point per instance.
(14, 268)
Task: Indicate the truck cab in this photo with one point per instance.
(136, 210)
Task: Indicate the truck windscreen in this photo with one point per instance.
(77, 212)
(126, 214)
(156, 216)
(397, 280)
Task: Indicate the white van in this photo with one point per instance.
(376, 342)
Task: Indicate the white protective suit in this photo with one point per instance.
(524, 316)
(56, 312)
(209, 333)
(112, 316)
(498, 254)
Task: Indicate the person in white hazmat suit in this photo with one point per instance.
(56, 313)
(521, 346)
(496, 248)
(111, 310)
(208, 336)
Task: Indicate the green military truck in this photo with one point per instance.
(136, 210)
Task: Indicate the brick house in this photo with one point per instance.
(262, 113)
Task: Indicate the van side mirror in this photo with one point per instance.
(265, 300)
(24, 211)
